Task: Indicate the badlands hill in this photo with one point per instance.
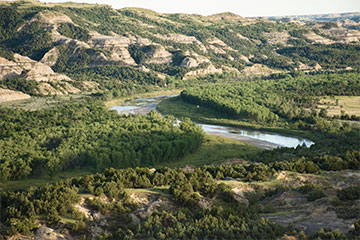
(57, 49)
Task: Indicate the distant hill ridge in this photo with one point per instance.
(322, 17)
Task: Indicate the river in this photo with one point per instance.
(262, 139)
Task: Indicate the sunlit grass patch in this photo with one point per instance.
(334, 105)
(215, 150)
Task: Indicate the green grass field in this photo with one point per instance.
(39, 181)
(215, 150)
(349, 104)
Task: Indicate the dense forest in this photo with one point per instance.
(88, 135)
(290, 98)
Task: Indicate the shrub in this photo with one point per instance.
(350, 193)
(305, 189)
(314, 195)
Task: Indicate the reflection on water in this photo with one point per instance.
(140, 106)
(274, 138)
(265, 140)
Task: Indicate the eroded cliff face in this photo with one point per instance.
(49, 82)
(318, 39)
(50, 58)
(258, 69)
(180, 38)
(211, 69)
(9, 69)
(189, 62)
(159, 56)
(118, 45)
(344, 35)
(7, 95)
(278, 38)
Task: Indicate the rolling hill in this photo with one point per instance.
(67, 48)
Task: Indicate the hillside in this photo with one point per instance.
(57, 49)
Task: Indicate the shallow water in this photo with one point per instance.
(265, 140)
(270, 139)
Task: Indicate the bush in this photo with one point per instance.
(314, 195)
(328, 234)
(350, 193)
(269, 208)
(305, 189)
(345, 211)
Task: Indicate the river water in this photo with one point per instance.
(262, 139)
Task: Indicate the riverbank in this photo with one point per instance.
(260, 139)
(177, 107)
(122, 100)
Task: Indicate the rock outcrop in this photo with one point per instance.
(317, 38)
(50, 58)
(119, 47)
(258, 69)
(149, 203)
(245, 59)
(7, 95)
(239, 195)
(216, 50)
(346, 35)
(309, 67)
(31, 65)
(122, 54)
(45, 233)
(277, 38)
(189, 62)
(32, 70)
(9, 69)
(230, 69)
(217, 43)
(28, 68)
(38, 71)
(242, 37)
(52, 17)
(159, 56)
(48, 19)
(211, 69)
(199, 58)
(180, 38)
(110, 42)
